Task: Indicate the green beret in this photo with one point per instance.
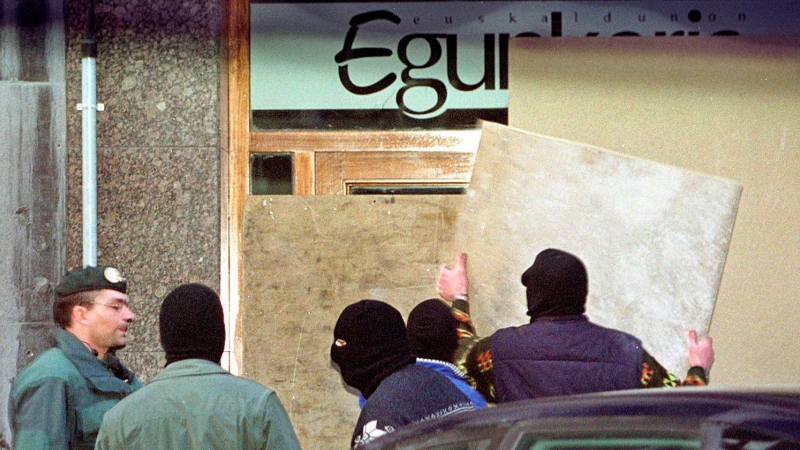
(92, 278)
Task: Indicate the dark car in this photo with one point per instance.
(756, 418)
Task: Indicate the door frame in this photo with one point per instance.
(237, 141)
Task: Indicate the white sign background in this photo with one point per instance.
(293, 45)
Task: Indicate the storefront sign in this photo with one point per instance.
(444, 64)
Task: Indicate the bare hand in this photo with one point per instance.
(700, 353)
(453, 282)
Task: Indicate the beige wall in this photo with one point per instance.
(724, 106)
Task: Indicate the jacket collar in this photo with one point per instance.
(95, 371)
(572, 318)
(441, 366)
(189, 367)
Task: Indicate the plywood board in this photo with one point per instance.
(653, 237)
(307, 258)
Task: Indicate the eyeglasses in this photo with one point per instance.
(117, 306)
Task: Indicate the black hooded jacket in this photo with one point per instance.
(560, 352)
(372, 351)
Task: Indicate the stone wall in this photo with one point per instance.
(157, 152)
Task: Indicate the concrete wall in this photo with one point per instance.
(728, 107)
(32, 182)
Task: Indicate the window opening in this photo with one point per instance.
(271, 174)
(406, 189)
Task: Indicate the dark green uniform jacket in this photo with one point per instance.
(58, 401)
(196, 404)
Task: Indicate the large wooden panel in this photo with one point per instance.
(653, 237)
(724, 106)
(305, 259)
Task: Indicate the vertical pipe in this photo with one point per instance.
(89, 136)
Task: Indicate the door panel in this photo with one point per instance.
(334, 171)
(325, 163)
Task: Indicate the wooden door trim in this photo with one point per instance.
(354, 141)
(237, 142)
(234, 162)
(335, 170)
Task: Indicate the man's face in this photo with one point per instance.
(108, 320)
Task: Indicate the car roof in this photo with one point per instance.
(773, 408)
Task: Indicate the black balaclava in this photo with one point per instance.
(192, 324)
(433, 331)
(557, 285)
(369, 344)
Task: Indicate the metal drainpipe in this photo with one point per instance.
(89, 108)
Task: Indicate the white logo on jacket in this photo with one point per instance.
(371, 431)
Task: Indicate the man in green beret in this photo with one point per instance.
(58, 400)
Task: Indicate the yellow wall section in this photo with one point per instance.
(724, 106)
